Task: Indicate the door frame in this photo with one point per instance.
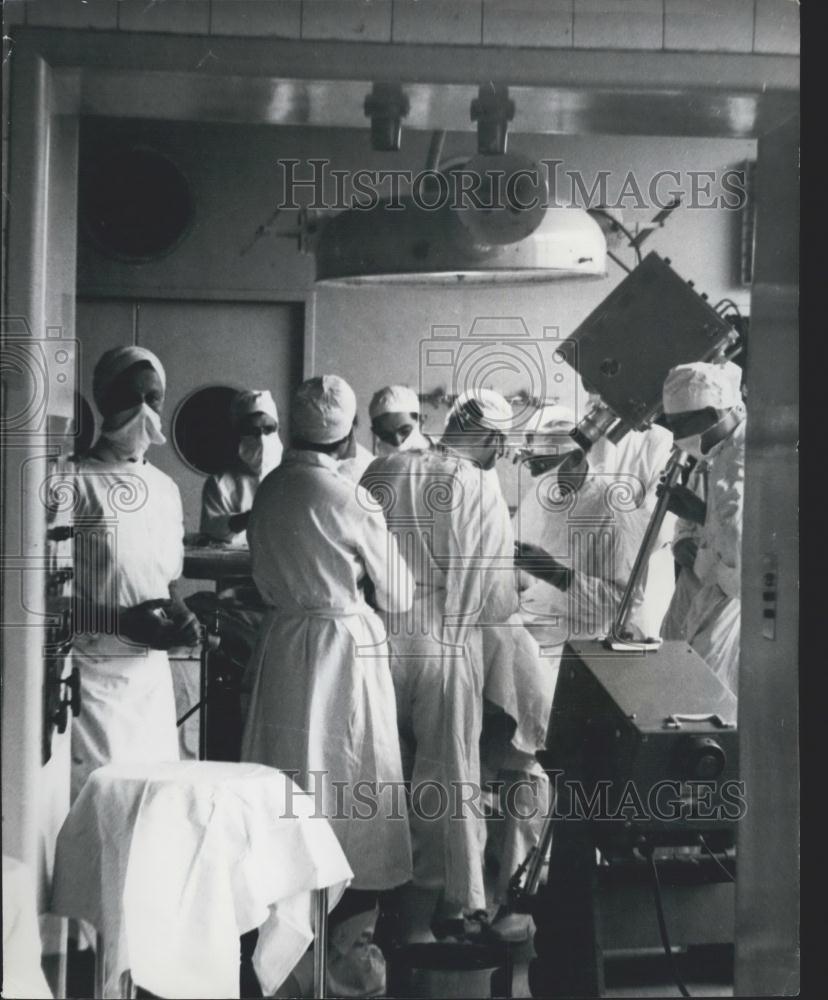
(48, 71)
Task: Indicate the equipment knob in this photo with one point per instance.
(701, 758)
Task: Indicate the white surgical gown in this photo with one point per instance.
(714, 617)
(644, 455)
(597, 532)
(600, 533)
(674, 625)
(223, 496)
(354, 466)
(453, 529)
(128, 548)
(322, 706)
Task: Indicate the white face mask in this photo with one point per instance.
(692, 445)
(416, 441)
(261, 454)
(136, 434)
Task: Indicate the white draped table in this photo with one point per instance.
(22, 974)
(172, 862)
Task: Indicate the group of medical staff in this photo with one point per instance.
(408, 630)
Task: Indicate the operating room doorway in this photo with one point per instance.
(254, 345)
(46, 99)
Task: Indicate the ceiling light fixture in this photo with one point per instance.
(492, 109)
(414, 244)
(501, 228)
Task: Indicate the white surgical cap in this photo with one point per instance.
(115, 362)
(250, 401)
(323, 409)
(549, 417)
(699, 385)
(483, 408)
(394, 399)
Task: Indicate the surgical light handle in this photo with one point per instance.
(670, 474)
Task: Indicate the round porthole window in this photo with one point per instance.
(84, 426)
(135, 203)
(202, 432)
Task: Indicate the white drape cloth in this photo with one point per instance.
(22, 975)
(172, 862)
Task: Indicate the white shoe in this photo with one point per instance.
(358, 973)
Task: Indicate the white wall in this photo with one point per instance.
(372, 336)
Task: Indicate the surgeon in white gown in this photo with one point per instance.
(453, 528)
(128, 530)
(323, 704)
(703, 404)
(577, 532)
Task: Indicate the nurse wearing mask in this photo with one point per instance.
(128, 553)
(396, 421)
(704, 408)
(227, 498)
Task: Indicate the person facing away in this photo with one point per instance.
(704, 408)
(128, 532)
(452, 525)
(227, 497)
(322, 705)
